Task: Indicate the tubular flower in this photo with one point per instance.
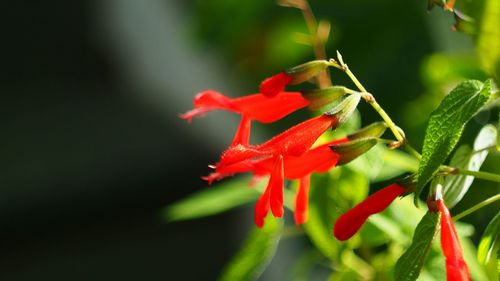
(350, 222)
(253, 107)
(456, 268)
(292, 142)
(317, 160)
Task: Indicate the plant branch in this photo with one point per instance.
(477, 207)
(477, 174)
(369, 98)
(317, 42)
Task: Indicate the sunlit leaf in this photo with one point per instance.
(455, 187)
(488, 250)
(410, 263)
(256, 253)
(446, 125)
(213, 200)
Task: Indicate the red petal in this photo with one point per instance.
(456, 268)
(350, 222)
(212, 98)
(207, 101)
(242, 135)
(267, 110)
(275, 84)
(317, 160)
(298, 139)
(301, 201)
(261, 208)
(294, 141)
(275, 185)
(237, 153)
(229, 170)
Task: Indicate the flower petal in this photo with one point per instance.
(317, 160)
(456, 268)
(294, 141)
(302, 200)
(207, 101)
(298, 139)
(262, 208)
(351, 221)
(275, 185)
(242, 135)
(273, 85)
(266, 110)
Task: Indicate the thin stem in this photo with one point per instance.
(484, 149)
(318, 46)
(412, 151)
(478, 174)
(368, 97)
(477, 207)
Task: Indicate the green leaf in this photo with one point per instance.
(498, 135)
(213, 200)
(410, 263)
(256, 253)
(305, 264)
(446, 125)
(381, 163)
(331, 194)
(455, 187)
(488, 37)
(488, 250)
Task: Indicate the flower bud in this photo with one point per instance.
(349, 151)
(375, 130)
(321, 97)
(304, 72)
(344, 109)
(351, 221)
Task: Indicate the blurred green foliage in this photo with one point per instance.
(410, 60)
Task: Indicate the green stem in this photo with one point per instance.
(386, 118)
(476, 207)
(368, 97)
(412, 151)
(478, 174)
(318, 46)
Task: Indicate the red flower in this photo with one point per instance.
(319, 159)
(350, 222)
(273, 85)
(252, 107)
(456, 268)
(292, 142)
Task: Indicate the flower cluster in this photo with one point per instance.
(294, 154)
(290, 155)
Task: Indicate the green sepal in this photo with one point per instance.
(344, 109)
(352, 149)
(304, 72)
(322, 97)
(375, 130)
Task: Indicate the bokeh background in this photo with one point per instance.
(92, 148)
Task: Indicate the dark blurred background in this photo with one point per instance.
(92, 147)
